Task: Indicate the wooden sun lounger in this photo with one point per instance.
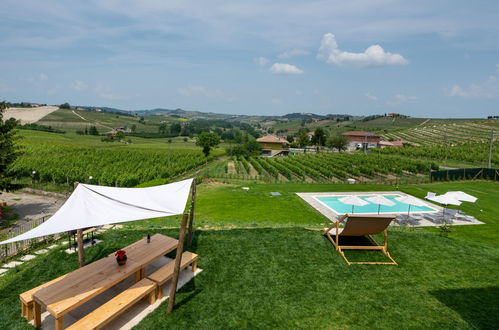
(361, 226)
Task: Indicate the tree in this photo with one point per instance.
(8, 150)
(65, 106)
(93, 130)
(339, 142)
(176, 128)
(303, 139)
(319, 138)
(207, 140)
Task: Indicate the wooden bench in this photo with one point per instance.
(27, 299)
(165, 273)
(114, 307)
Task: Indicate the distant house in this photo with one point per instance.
(273, 145)
(361, 140)
(310, 135)
(393, 114)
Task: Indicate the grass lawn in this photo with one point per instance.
(265, 265)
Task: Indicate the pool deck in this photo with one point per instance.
(311, 199)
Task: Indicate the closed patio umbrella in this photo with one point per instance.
(380, 200)
(353, 200)
(410, 201)
(445, 200)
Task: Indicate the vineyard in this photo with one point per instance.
(63, 162)
(444, 133)
(476, 153)
(324, 167)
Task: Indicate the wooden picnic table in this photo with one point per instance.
(85, 283)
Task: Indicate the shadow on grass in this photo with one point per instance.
(477, 306)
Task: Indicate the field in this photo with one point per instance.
(474, 153)
(72, 120)
(324, 167)
(266, 265)
(452, 132)
(65, 158)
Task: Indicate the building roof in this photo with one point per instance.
(360, 133)
(272, 139)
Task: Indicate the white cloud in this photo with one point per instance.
(483, 90)
(293, 52)
(196, 90)
(399, 99)
(261, 61)
(371, 97)
(283, 68)
(374, 55)
(78, 85)
(276, 101)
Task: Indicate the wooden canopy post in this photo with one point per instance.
(79, 239)
(191, 212)
(178, 259)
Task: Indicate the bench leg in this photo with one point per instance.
(152, 297)
(194, 266)
(38, 315)
(160, 292)
(30, 311)
(24, 310)
(58, 323)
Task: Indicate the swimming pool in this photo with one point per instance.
(332, 202)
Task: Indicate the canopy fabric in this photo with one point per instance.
(381, 200)
(92, 205)
(353, 200)
(461, 196)
(445, 200)
(410, 200)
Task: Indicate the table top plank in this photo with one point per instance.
(85, 283)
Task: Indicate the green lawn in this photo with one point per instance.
(265, 265)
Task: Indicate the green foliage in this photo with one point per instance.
(93, 130)
(248, 149)
(65, 106)
(338, 142)
(8, 149)
(319, 138)
(43, 128)
(323, 166)
(125, 166)
(207, 140)
(303, 139)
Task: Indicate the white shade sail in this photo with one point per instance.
(410, 200)
(353, 200)
(445, 200)
(92, 205)
(380, 199)
(461, 196)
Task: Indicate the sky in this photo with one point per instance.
(361, 57)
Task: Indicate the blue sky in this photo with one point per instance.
(420, 58)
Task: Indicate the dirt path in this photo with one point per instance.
(427, 120)
(29, 115)
(32, 206)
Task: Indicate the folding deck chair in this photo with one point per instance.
(361, 226)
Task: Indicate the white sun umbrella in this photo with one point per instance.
(445, 200)
(461, 196)
(380, 200)
(353, 200)
(411, 201)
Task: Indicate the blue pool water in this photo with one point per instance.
(334, 204)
